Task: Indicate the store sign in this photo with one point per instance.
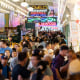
(39, 6)
(42, 19)
(48, 28)
(40, 13)
(48, 24)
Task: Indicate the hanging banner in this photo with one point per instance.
(6, 20)
(2, 22)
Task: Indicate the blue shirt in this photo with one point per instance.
(5, 71)
(2, 50)
(8, 48)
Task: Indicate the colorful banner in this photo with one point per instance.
(42, 19)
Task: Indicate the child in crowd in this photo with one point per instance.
(14, 55)
(5, 70)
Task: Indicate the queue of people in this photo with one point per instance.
(46, 57)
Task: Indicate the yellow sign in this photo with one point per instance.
(39, 6)
(6, 20)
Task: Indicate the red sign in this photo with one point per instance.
(38, 13)
(48, 24)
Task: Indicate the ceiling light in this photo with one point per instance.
(24, 4)
(30, 9)
(67, 15)
(15, 0)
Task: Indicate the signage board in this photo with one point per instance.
(42, 13)
(39, 6)
(48, 24)
(41, 19)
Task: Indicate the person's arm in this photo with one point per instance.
(19, 77)
(51, 77)
(0, 71)
(9, 75)
(58, 75)
(46, 78)
(64, 68)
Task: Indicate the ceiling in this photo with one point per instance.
(36, 2)
(53, 3)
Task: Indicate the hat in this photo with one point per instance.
(4, 57)
(74, 67)
(50, 51)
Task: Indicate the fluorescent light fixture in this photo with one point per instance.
(4, 11)
(67, 15)
(30, 9)
(15, 0)
(24, 4)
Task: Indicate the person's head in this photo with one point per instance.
(56, 52)
(25, 43)
(36, 52)
(23, 37)
(63, 50)
(4, 43)
(45, 51)
(14, 53)
(50, 52)
(41, 67)
(16, 46)
(35, 59)
(41, 40)
(7, 53)
(37, 39)
(71, 55)
(4, 60)
(55, 41)
(26, 37)
(22, 58)
(40, 47)
(62, 42)
(10, 38)
(48, 45)
(48, 58)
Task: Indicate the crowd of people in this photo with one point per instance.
(46, 57)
